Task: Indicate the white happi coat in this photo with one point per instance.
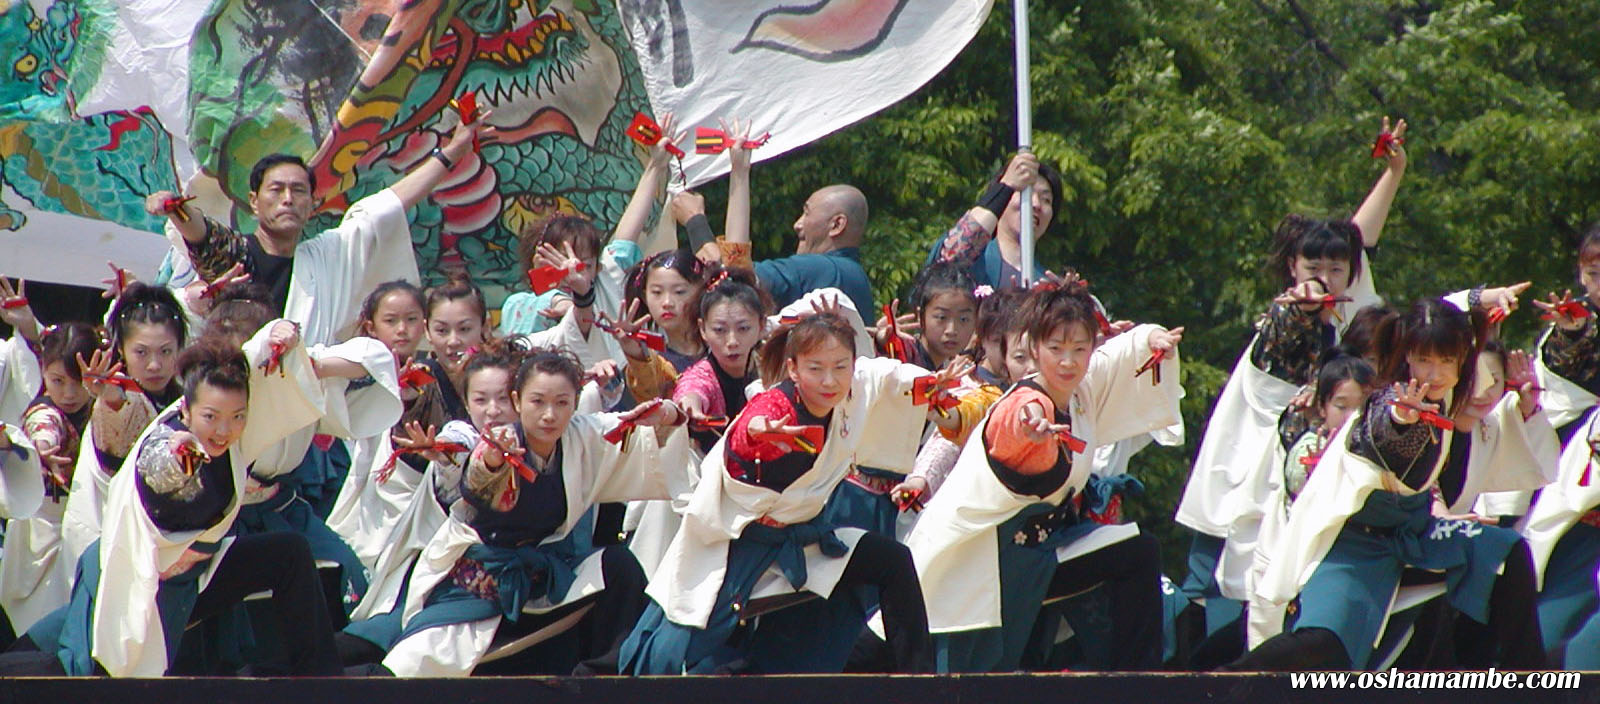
(127, 636)
(1506, 454)
(655, 523)
(21, 479)
(366, 510)
(335, 270)
(86, 501)
(690, 574)
(954, 544)
(592, 471)
(1563, 400)
(1565, 500)
(1229, 483)
(34, 580)
(360, 413)
(421, 519)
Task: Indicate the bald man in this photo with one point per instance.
(828, 251)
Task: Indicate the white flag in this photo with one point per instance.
(799, 70)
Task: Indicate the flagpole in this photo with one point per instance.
(1024, 134)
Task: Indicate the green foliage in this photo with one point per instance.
(1185, 129)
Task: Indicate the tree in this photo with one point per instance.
(1185, 130)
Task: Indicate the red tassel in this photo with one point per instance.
(1385, 144)
(809, 440)
(543, 278)
(118, 380)
(908, 501)
(416, 376)
(449, 448)
(274, 360)
(466, 107)
(174, 206)
(924, 391)
(1428, 417)
(896, 346)
(1152, 365)
(1073, 443)
(522, 468)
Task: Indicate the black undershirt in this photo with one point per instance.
(271, 271)
(540, 510)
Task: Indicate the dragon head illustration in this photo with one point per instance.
(34, 50)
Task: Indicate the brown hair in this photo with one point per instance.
(237, 315)
(791, 341)
(997, 314)
(1589, 248)
(457, 286)
(369, 307)
(65, 343)
(1432, 326)
(558, 230)
(1313, 238)
(492, 354)
(549, 360)
(725, 284)
(211, 360)
(1050, 307)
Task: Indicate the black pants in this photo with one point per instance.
(881, 562)
(1131, 572)
(1513, 621)
(616, 610)
(282, 563)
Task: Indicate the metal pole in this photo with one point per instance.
(1024, 134)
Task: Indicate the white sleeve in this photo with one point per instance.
(367, 411)
(280, 403)
(1126, 405)
(21, 476)
(334, 272)
(892, 431)
(20, 379)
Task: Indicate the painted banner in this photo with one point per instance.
(103, 102)
(799, 69)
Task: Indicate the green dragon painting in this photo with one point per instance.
(359, 87)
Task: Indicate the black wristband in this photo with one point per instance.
(1475, 298)
(585, 300)
(438, 153)
(996, 198)
(699, 230)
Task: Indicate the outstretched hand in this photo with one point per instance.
(1560, 310)
(567, 259)
(15, 310)
(1396, 149)
(1521, 378)
(478, 131)
(1408, 398)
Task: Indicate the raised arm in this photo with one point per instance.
(630, 227)
(966, 240)
(416, 185)
(737, 224)
(1374, 211)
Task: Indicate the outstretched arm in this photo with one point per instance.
(1374, 211)
(630, 227)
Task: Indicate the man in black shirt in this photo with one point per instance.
(366, 245)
